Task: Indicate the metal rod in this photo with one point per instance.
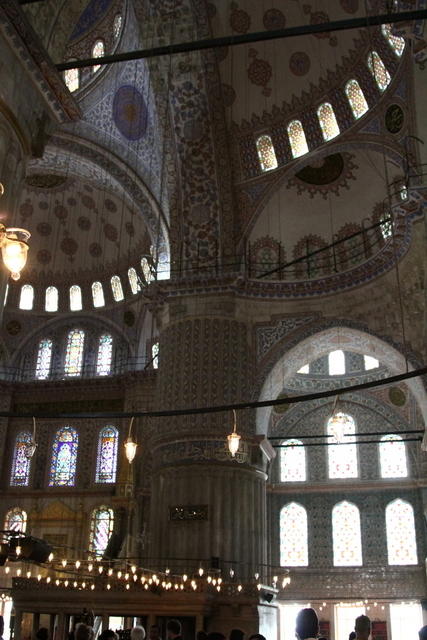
(246, 38)
(369, 433)
(332, 444)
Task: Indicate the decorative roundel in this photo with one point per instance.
(299, 63)
(130, 112)
(394, 118)
(44, 228)
(84, 223)
(95, 250)
(110, 232)
(110, 205)
(60, 212)
(26, 209)
(44, 256)
(350, 6)
(88, 201)
(274, 19)
(69, 246)
(130, 229)
(397, 396)
(240, 20)
(43, 204)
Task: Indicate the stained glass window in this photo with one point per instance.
(98, 50)
(397, 43)
(101, 528)
(356, 98)
(328, 122)
(106, 461)
(72, 79)
(304, 369)
(64, 458)
(16, 520)
(105, 353)
(400, 527)
(117, 289)
(74, 354)
(98, 294)
(346, 537)
(297, 139)
(386, 225)
(393, 457)
(44, 359)
(146, 269)
(292, 461)
(133, 280)
(117, 25)
(378, 70)
(155, 355)
(370, 362)
(51, 300)
(266, 153)
(75, 298)
(293, 536)
(27, 297)
(342, 458)
(336, 362)
(20, 474)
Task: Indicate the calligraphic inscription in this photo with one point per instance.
(189, 512)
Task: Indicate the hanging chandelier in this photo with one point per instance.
(233, 439)
(130, 444)
(338, 425)
(14, 249)
(31, 445)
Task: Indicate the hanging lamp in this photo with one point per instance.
(130, 445)
(31, 446)
(338, 423)
(233, 438)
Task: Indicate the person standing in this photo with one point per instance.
(362, 627)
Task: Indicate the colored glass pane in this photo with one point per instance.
(356, 98)
(293, 536)
(401, 539)
(106, 461)
(44, 359)
(304, 369)
(297, 139)
(155, 355)
(292, 461)
(27, 297)
(98, 294)
(72, 79)
(16, 520)
(370, 362)
(342, 458)
(117, 25)
(346, 537)
(20, 474)
(393, 457)
(98, 51)
(133, 280)
(378, 70)
(101, 528)
(105, 353)
(386, 225)
(146, 269)
(397, 43)
(75, 298)
(64, 458)
(328, 122)
(74, 354)
(266, 153)
(117, 289)
(51, 300)
(336, 361)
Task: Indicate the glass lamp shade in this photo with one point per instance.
(130, 449)
(30, 449)
(338, 425)
(233, 443)
(14, 250)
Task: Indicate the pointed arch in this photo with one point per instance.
(400, 530)
(346, 537)
(26, 298)
(378, 71)
(392, 452)
(293, 536)
(297, 138)
(105, 355)
(101, 528)
(106, 459)
(328, 122)
(44, 359)
(16, 520)
(21, 464)
(98, 294)
(117, 289)
(292, 461)
(64, 458)
(266, 153)
(356, 98)
(51, 299)
(75, 298)
(342, 458)
(74, 353)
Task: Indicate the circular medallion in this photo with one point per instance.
(110, 205)
(84, 223)
(69, 246)
(274, 19)
(394, 118)
(95, 250)
(110, 232)
(44, 228)
(130, 112)
(397, 396)
(240, 21)
(299, 63)
(26, 209)
(60, 212)
(88, 201)
(44, 256)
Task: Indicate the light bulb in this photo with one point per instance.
(239, 588)
(90, 566)
(57, 582)
(184, 577)
(18, 572)
(78, 564)
(48, 579)
(28, 574)
(7, 569)
(83, 585)
(18, 550)
(233, 443)
(133, 568)
(119, 574)
(108, 586)
(130, 449)
(110, 571)
(100, 569)
(200, 571)
(39, 577)
(66, 583)
(64, 563)
(231, 573)
(50, 558)
(92, 587)
(127, 586)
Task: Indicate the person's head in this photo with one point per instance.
(173, 628)
(352, 636)
(237, 634)
(83, 632)
(362, 627)
(307, 624)
(108, 634)
(423, 633)
(42, 634)
(154, 633)
(137, 633)
(257, 636)
(216, 635)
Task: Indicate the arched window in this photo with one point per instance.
(75, 298)
(292, 461)
(342, 458)
(117, 25)
(105, 353)
(397, 43)
(370, 362)
(346, 537)
(146, 270)
(117, 289)
(98, 294)
(400, 528)
(297, 139)
(266, 153)
(20, 475)
(386, 225)
(74, 354)
(72, 79)
(393, 457)
(64, 458)
(328, 122)
(98, 50)
(51, 299)
(106, 460)
(336, 362)
(27, 297)
(16, 520)
(44, 359)
(304, 369)
(155, 355)
(356, 98)
(378, 70)
(133, 281)
(293, 536)
(101, 528)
